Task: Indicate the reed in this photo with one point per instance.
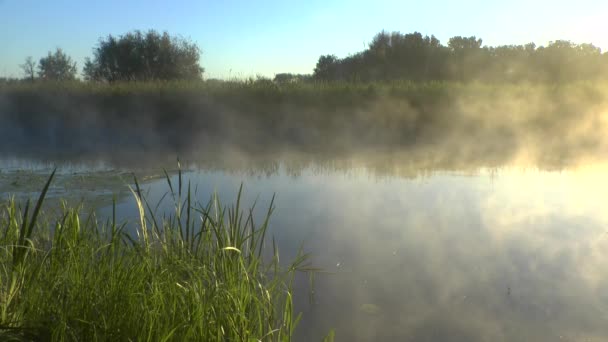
(198, 273)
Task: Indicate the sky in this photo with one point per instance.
(241, 38)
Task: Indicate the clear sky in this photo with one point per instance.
(243, 38)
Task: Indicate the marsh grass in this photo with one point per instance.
(487, 124)
(197, 274)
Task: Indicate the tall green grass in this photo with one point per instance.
(197, 274)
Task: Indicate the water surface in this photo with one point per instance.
(502, 254)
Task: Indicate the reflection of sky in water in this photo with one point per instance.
(502, 255)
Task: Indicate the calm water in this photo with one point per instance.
(509, 254)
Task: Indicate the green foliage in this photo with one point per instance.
(326, 68)
(462, 44)
(136, 56)
(195, 275)
(57, 66)
(397, 56)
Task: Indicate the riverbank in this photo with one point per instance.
(198, 274)
(495, 123)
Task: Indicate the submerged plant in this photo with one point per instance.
(196, 274)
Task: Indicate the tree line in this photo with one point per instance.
(412, 56)
(149, 56)
(134, 56)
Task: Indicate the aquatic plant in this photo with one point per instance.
(198, 273)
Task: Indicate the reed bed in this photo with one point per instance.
(487, 123)
(197, 274)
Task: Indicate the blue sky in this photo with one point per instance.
(244, 38)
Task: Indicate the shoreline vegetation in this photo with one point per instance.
(200, 273)
(437, 102)
(153, 56)
(490, 124)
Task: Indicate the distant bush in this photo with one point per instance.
(57, 66)
(136, 56)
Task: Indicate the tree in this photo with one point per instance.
(326, 68)
(143, 57)
(90, 71)
(380, 44)
(412, 56)
(29, 68)
(57, 67)
(459, 43)
(467, 55)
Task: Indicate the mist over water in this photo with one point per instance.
(514, 253)
(440, 191)
(479, 218)
(436, 125)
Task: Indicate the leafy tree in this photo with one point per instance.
(136, 56)
(90, 71)
(467, 57)
(29, 68)
(326, 68)
(397, 56)
(463, 44)
(57, 66)
(377, 56)
(352, 69)
(380, 44)
(414, 56)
